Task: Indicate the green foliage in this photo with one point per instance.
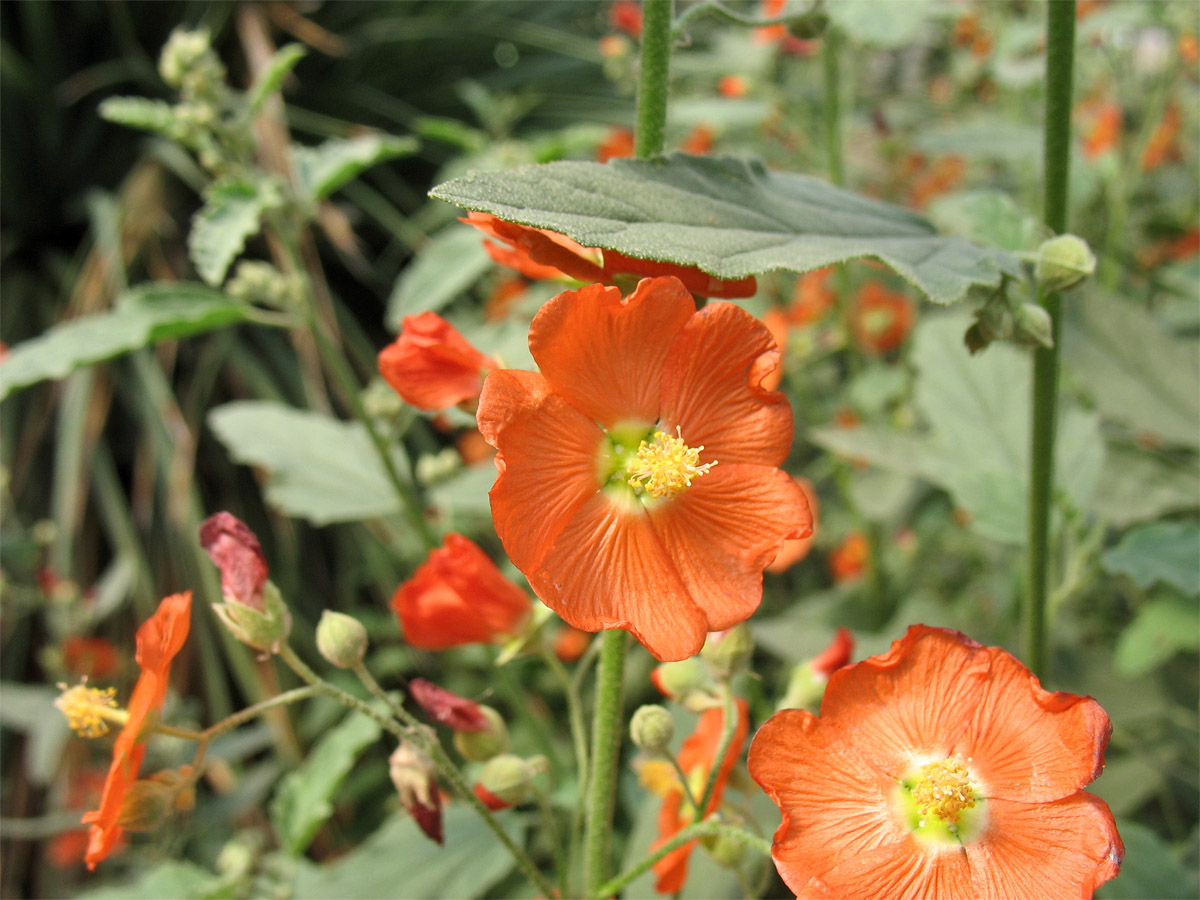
(882, 24)
(270, 79)
(320, 468)
(145, 316)
(138, 112)
(232, 212)
(1150, 869)
(24, 709)
(1167, 552)
(452, 261)
(729, 217)
(182, 880)
(1159, 630)
(304, 798)
(323, 169)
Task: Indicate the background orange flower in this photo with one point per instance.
(939, 769)
(431, 365)
(159, 640)
(881, 318)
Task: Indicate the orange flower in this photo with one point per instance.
(776, 321)
(457, 597)
(1162, 144)
(699, 140)
(90, 657)
(812, 297)
(431, 365)
(849, 559)
(795, 550)
(571, 643)
(835, 656)
(942, 176)
(626, 16)
(159, 640)
(617, 145)
(940, 769)
(881, 318)
(503, 296)
(1104, 128)
(697, 757)
(595, 500)
(732, 86)
(546, 255)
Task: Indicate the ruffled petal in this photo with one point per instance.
(547, 462)
(711, 388)
(606, 569)
(724, 529)
(1046, 850)
(605, 354)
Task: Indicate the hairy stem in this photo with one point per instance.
(607, 725)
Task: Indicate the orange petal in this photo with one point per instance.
(724, 529)
(606, 569)
(906, 870)
(547, 462)
(1045, 850)
(695, 280)
(711, 388)
(605, 354)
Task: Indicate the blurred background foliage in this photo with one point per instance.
(914, 449)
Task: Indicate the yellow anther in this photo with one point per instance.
(943, 789)
(665, 466)
(88, 709)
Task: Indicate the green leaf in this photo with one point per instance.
(146, 315)
(321, 469)
(1140, 485)
(303, 800)
(986, 217)
(1136, 373)
(1159, 630)
(883, 24)
(1163, 551)
(29, 708)
(138, 112)
(323, 169)
(272, 75)
(452, 261)
(183, 880)
(231, 213)
(1150, 869)
(729, 217)
(398, 861)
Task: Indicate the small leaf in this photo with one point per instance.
(231, 213)
(138, 112)
(29, 708)
(303, 800)
(271, 77)
(398, 861)
(1140, 485)
(986, 217)
(322, 170)
(729, 217)
(1163, 551)
(321, 469)
(1160, 629)
(146, 315)
(452, 261)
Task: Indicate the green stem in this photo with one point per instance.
(606, 750)
(728, 727)
(1060, 53)
(654, 79)
(579, 739)
(696, 830)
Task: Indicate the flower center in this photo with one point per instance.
(943, 789)
(664, 466)
(941, 804)
(88, 709)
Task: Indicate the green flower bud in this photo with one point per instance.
(652, 728)
(725, 851)
(261, 630)
(341, 639)
(508, 778)
(682, 680)
(1033, 326)
(1063, 262)
(182, 52)
(480, 746)
(728, 652)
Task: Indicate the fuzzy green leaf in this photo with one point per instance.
(145, 316)
(1162, 551)
(452, 261)
(1161, 628)
(271, 77)
(232, 212)
(323, 169)
(138, 112)
(729, 217)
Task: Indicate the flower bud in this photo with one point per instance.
(341, 639)
(447, 708)
(652, 728)
(728, 652)
(680, 680)
(149, 801)
(182, 52)
(1032, 326)
(508, 778)
(480, 746)
(1063, 262)
(725, 851)
(265, 630)
(413, 776)
(236, 552)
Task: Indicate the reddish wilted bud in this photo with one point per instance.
(412, 773)
(235, 550)
(490, 800)
(447, 708)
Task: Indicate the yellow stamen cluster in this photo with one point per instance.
(664, 466)
(944, 790)
(87, 708)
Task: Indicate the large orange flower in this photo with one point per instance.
(547, 255)
(159, 639)
(697, 757)
(939, 769)
(639, 485)
(458, 596)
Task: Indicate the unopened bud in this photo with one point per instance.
(1063, 262)
(266, 630)
(149, 801)
(183, 50)
(508, 778)
(680, 680)
(725, 851)
(652, 728)
(1032, 326)
(480, 746)
(412, 774)
(341, 639)
(728, 652)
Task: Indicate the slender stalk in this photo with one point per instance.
(606, 750)
(693, 831)
(728, 727)
(830, 55)
(1060, 53)
(654, 77)
(579, 739)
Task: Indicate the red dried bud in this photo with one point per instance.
(412, 773)
(447, 708)
(235, 550)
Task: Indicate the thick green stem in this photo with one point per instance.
(607, 725)
(1060, 53)
(696, 830)
(654, 78)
